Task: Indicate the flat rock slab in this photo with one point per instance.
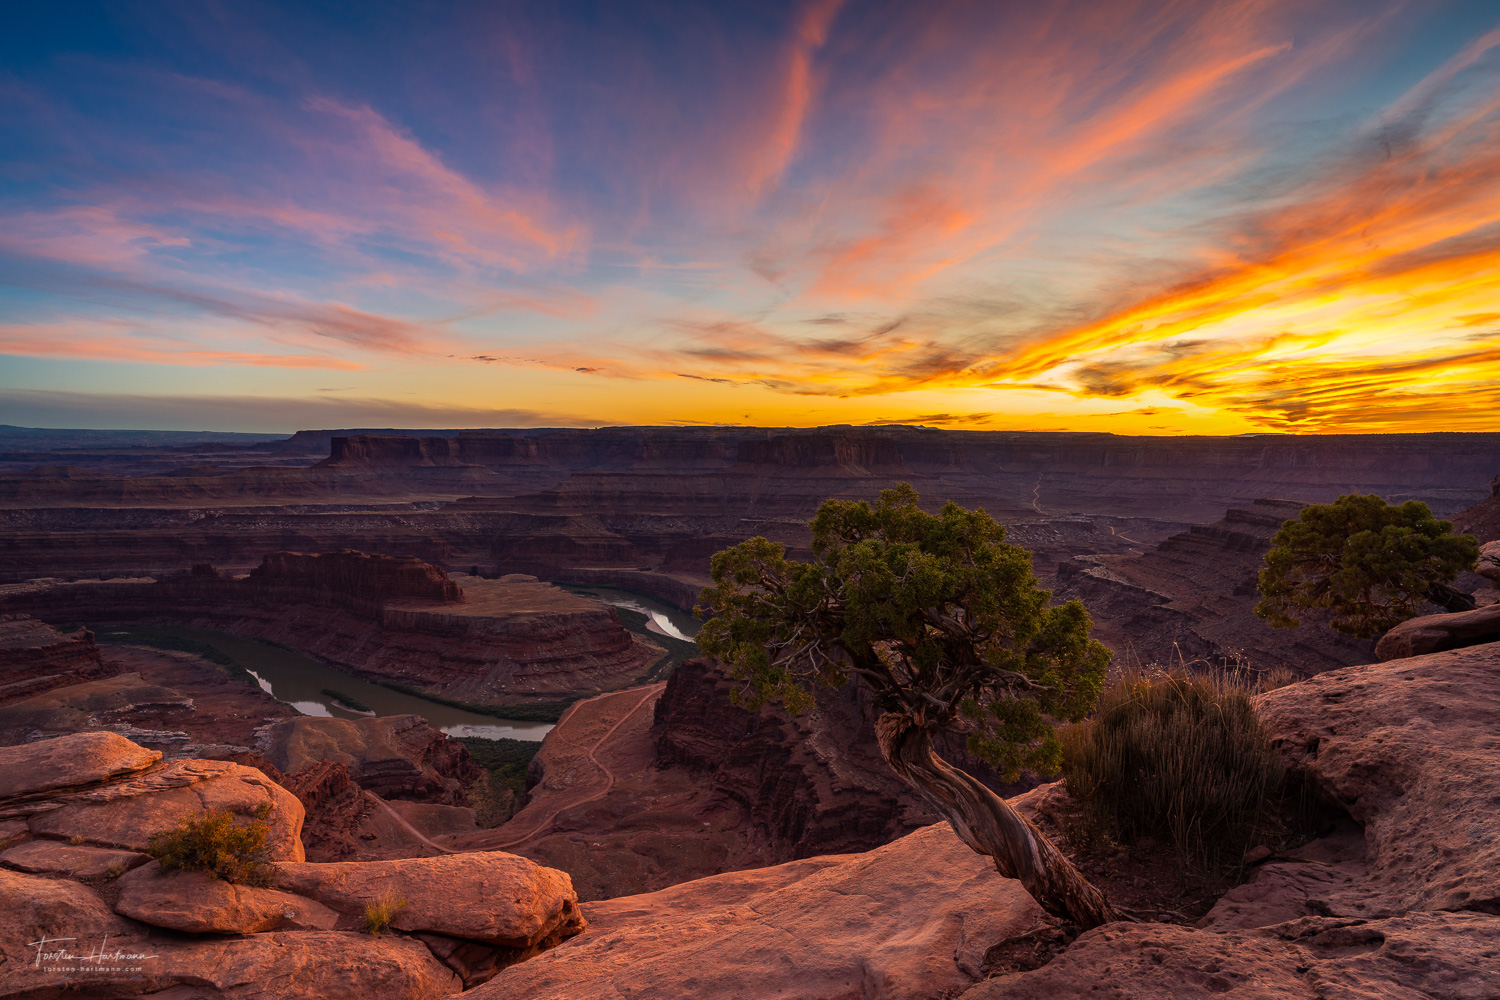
(912, 919)
(53, 857)
(194, 902)
(1438, 633)
(1410, 749)
(69, 762)
(128, 812)
(489, 896)
(37, 909)
(1428, 956)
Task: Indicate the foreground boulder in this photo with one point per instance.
(78, 761)
(129, 812)
(198, 904)
(910, 919)
(490, 896)
(1439, 633)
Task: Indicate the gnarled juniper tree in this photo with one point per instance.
(946, 625)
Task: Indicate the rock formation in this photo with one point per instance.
(1483, 519)
(1191, 599)
(1436, 633)
(628, 799)
(507, 641)
(35, 657)
(908, 920)
(1402, 901)
(644, 507)
(100, 918)
(352, 577)
(396, 757)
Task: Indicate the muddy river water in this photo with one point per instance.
(301, 682)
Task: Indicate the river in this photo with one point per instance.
(301, 682)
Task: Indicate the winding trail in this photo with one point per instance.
(401, 822)
(543, 824)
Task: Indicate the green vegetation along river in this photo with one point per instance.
(315, 689)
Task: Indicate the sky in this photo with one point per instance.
(1156, 217)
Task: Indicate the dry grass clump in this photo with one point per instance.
(381, 911)
(1180, 758)
(218, 845)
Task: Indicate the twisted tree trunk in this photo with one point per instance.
(988, 824)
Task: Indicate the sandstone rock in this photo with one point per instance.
(92, 704)
(53, 857)
(911, 919)
(1432, 956)
(36, 908)
(488, 896)
(308, 965)
(1408, 748)
(336, 808)
(398, 756)
(37, 657)
(1489, 562)
(349, 575)
(1436, 633)
(1191, 598)
(128, 812)
(68, 762)
(194, 902)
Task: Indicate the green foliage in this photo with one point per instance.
(935, 612)
(500, 753)
(348, 701)
(218, 845)
(381, 911)
(1360, 562)
(1180, 758)
(495, 795)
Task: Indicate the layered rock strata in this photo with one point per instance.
(395, 757)
(35, 657)
(1190, 600)
(645, 507)
(507, 641)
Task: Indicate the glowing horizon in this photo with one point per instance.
(1210, 217)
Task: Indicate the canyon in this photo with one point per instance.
(667, 842)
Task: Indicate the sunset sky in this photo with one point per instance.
(1163, 217)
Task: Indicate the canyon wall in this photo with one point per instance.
(511, 641)
(1190, 599)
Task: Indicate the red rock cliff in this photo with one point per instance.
(357, 575)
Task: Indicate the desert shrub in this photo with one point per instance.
(381, 911)
(218, 844)
(1180, 758)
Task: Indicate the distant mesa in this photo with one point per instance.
(355, 574)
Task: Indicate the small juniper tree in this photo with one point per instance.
(1361, 563)
(946, 625)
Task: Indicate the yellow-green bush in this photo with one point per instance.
(219, 845)
(1179, 758)
(380, 912)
